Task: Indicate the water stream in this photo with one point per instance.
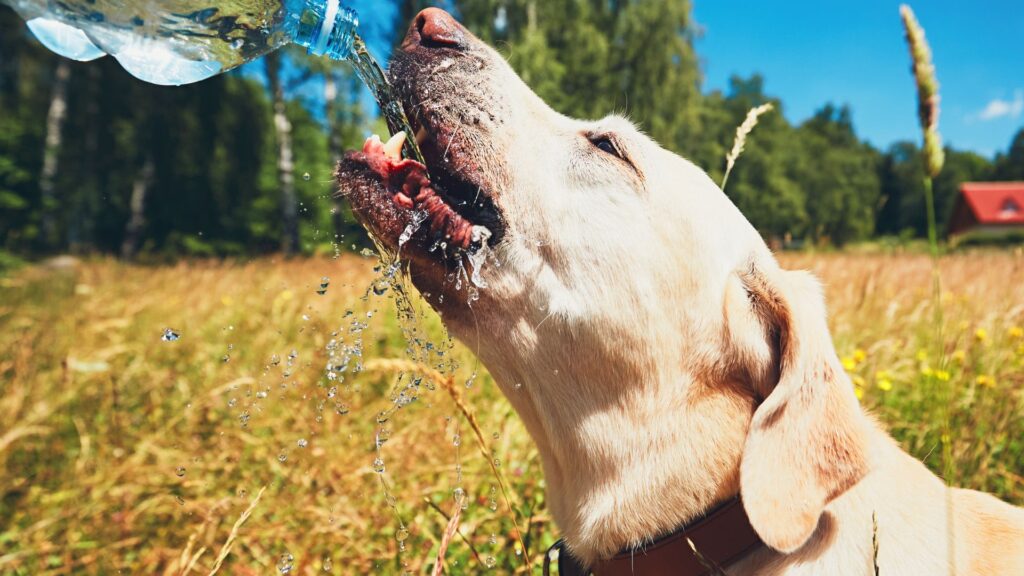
(370, 72)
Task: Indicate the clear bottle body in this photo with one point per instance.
(174, 42)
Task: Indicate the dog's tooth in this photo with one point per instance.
(393, 148)
(481, 234)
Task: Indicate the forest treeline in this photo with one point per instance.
(92, 160)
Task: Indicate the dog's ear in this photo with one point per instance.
(807, 442)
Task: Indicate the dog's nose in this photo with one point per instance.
(435, 27)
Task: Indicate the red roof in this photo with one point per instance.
(995, 202)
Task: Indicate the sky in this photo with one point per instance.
(814, 52)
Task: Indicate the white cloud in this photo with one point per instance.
(999, 108)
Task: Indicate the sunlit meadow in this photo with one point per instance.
(125, 451)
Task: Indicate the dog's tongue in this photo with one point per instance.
(409, 185)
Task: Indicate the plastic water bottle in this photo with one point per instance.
(173, 42)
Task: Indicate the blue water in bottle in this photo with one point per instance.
(173, 42)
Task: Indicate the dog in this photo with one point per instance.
(660, 358)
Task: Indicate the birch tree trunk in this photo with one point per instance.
(334, 150)
(137, 220)
(285, 162)
(51, 153)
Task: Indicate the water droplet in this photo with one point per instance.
(242, 492)
(285, 563)
(456, 440)
(232, 402)
(341, 409)
(282, 457)
(414, 225)
(237, 44)
(402, 535)
(459, 494)
(492, 540)
(495, 435)
(302, 443)
(333, 391)
(327, 564)
(180, 471)
(367, 252)
(497, 463)
(378, 465)
(380, 287)
(170, 335)
(306, 176)
(225, 358)
(324, 283)
(275, 360)
(490, 561)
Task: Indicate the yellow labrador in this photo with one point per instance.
(658, 355)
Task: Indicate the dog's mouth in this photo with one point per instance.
(443, 208)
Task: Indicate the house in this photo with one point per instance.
(988, 208)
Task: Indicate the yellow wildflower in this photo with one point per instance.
(981, 335)
(1015, 332)
(985, 380)
(959, 356)
(859, 355)
(859, 393)
(859, 381)
(927, 372)
(849, 363)
(227, 300)
(942, 375)
(884, 384)
(922, 355)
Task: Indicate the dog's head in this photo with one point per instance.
(624, 303)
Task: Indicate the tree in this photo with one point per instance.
(51, 152)
(1010, 166)
(840, 177)
(285, 163)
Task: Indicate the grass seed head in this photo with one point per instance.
(742, 131)
(927, 91)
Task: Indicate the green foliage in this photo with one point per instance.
(216, 189)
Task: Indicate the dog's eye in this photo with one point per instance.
(607, 145)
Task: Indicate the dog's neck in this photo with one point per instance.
(633, 445)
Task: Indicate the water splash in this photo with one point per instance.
(286, 563)
(416, 221)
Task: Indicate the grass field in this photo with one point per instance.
(125, 453)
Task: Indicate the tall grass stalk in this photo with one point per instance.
(934, 157)
(397, 365)
(742, 131)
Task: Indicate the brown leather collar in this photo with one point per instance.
(721, 537)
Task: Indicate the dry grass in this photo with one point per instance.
(123, 452)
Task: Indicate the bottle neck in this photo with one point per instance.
(324, 27)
